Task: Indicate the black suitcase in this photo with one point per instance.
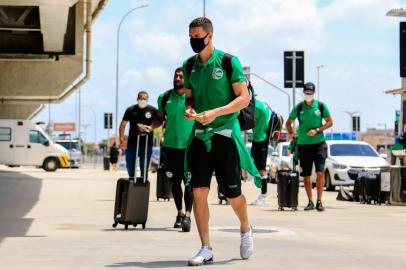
(288, 189)
(163, 184)
(355, 193)
(369, 188)
(132, 198)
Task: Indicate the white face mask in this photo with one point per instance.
(308, 97)
(142, 103)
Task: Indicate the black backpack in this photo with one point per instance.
(300, 108)
(275, 126)
(247, 115)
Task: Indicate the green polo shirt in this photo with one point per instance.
(310, 119)
(210, 86)
(178, 128)
(397, 146)
(260, 131)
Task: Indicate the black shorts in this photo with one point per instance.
(259, 152)
(223, 159)
(174, 163)
(312, 153)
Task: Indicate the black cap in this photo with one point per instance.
(309, 88)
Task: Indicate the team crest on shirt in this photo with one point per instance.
(169, 174)
(148, 115)
(317, 112)
(217, 73)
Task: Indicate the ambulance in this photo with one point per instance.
(23, 143)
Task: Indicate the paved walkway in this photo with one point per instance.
(63, 220)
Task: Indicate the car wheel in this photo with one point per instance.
(329, 186)
(50, 164)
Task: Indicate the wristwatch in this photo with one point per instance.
(318, 130)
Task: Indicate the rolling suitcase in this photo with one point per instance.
(369, 187)
(132, 197)
(288, 189)
(163, 184)
(355, 193)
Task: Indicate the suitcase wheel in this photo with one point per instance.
(294, 208)
(114, 225)
(143, 226)
(135, 225)
(126, 226)
(281, 209)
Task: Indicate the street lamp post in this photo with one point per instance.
(318, 80)
(85, 137)
(118, 59)
(95, 134)
(274, 86)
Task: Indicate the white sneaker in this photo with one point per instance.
(261, 200)
(204, 256)
(247, 244)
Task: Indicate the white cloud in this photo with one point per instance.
(365, 12)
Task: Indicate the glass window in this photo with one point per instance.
(359, 150)
(37, 137)
(34, 136)
(5, 134)
(69, 145)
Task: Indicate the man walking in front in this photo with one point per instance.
(214, 101)
(171, 108)
(312, 147)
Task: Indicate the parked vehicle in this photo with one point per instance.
(25, 143)
(346, 158)
(75, 154)
(279, 159)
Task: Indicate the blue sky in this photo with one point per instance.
(355, 39)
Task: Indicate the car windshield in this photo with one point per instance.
(358, 150)
(69, 145)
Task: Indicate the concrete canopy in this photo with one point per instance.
(42, 51)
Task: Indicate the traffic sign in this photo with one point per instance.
(108, 120)
(294, 69)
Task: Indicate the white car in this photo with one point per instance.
(279, 160)
(75, 154)
(346, 158)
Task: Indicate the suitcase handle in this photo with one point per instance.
(145, 158)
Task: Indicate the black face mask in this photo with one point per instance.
(198, 44)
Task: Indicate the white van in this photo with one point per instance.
(24, 143)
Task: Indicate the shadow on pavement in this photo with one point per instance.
(164, 264)
(18, 195)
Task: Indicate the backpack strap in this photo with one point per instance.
(226, 65)
(321, 109)
(298, 110)
(189, 65)
(165, 99)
